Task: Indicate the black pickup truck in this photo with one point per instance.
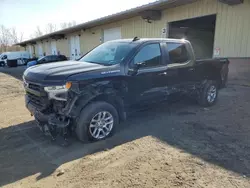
(91, 96)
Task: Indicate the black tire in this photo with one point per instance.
(90, 111)
(203, 98)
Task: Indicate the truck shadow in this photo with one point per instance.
(24, 151)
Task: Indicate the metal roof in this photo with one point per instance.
(157, 5)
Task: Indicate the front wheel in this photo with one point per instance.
(208, 95)
(97, 121)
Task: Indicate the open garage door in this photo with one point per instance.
(199, 31)
(112, 34)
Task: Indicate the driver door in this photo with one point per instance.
(148, 85)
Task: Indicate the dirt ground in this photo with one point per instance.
(177, 145)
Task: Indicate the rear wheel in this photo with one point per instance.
(97, 121)
(208, 95)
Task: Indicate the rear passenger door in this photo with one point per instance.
(180, 65)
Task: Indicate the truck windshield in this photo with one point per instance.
(109, 53)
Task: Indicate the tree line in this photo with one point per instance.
(50, 28)
(10, 36)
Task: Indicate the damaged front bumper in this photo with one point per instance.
(51, 123)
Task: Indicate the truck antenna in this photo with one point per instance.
(135, 39)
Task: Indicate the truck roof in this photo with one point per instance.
(142, 40)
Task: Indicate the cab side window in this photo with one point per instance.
(49, 58)
(177, 53)
(62, 58)
(54, 58)
(149, 55)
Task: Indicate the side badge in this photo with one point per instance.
(110, 72)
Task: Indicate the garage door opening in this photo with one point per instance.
(112, 34)
(199, 31)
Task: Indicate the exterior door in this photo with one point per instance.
(40, 50)
(72, 48)
(30, 51)
(112, 34)
(53, 48)
(75, 47)
(149, 84)
(47, 48)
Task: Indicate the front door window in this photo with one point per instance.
(149, 55)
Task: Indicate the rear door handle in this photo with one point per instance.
(191, 69)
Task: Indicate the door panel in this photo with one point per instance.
(53, 48)
(47, 48)
(156, 90)
(148, 85)
(180, 66)
(75, 47)
(40, 50)
(30, 51)
(72, 48)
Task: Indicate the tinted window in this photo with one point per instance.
(62, 58)
(109, 53)
(177, 53)
(42, 60)
(54, 58)
(49, 58)
(150, 55)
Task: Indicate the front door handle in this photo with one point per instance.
(163, 73)
(191, 69)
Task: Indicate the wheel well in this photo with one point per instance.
(116, 101)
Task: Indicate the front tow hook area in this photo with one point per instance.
(56, 128)
(60, 123)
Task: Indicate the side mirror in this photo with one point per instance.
(140, 64)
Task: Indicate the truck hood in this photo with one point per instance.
(59, 71)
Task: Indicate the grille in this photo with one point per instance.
(34, 87)
(35, 99)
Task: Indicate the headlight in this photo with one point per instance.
(62, 88)
(58, 92)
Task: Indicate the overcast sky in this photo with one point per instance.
(25, 15)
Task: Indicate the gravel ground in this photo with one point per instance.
(177, 145)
